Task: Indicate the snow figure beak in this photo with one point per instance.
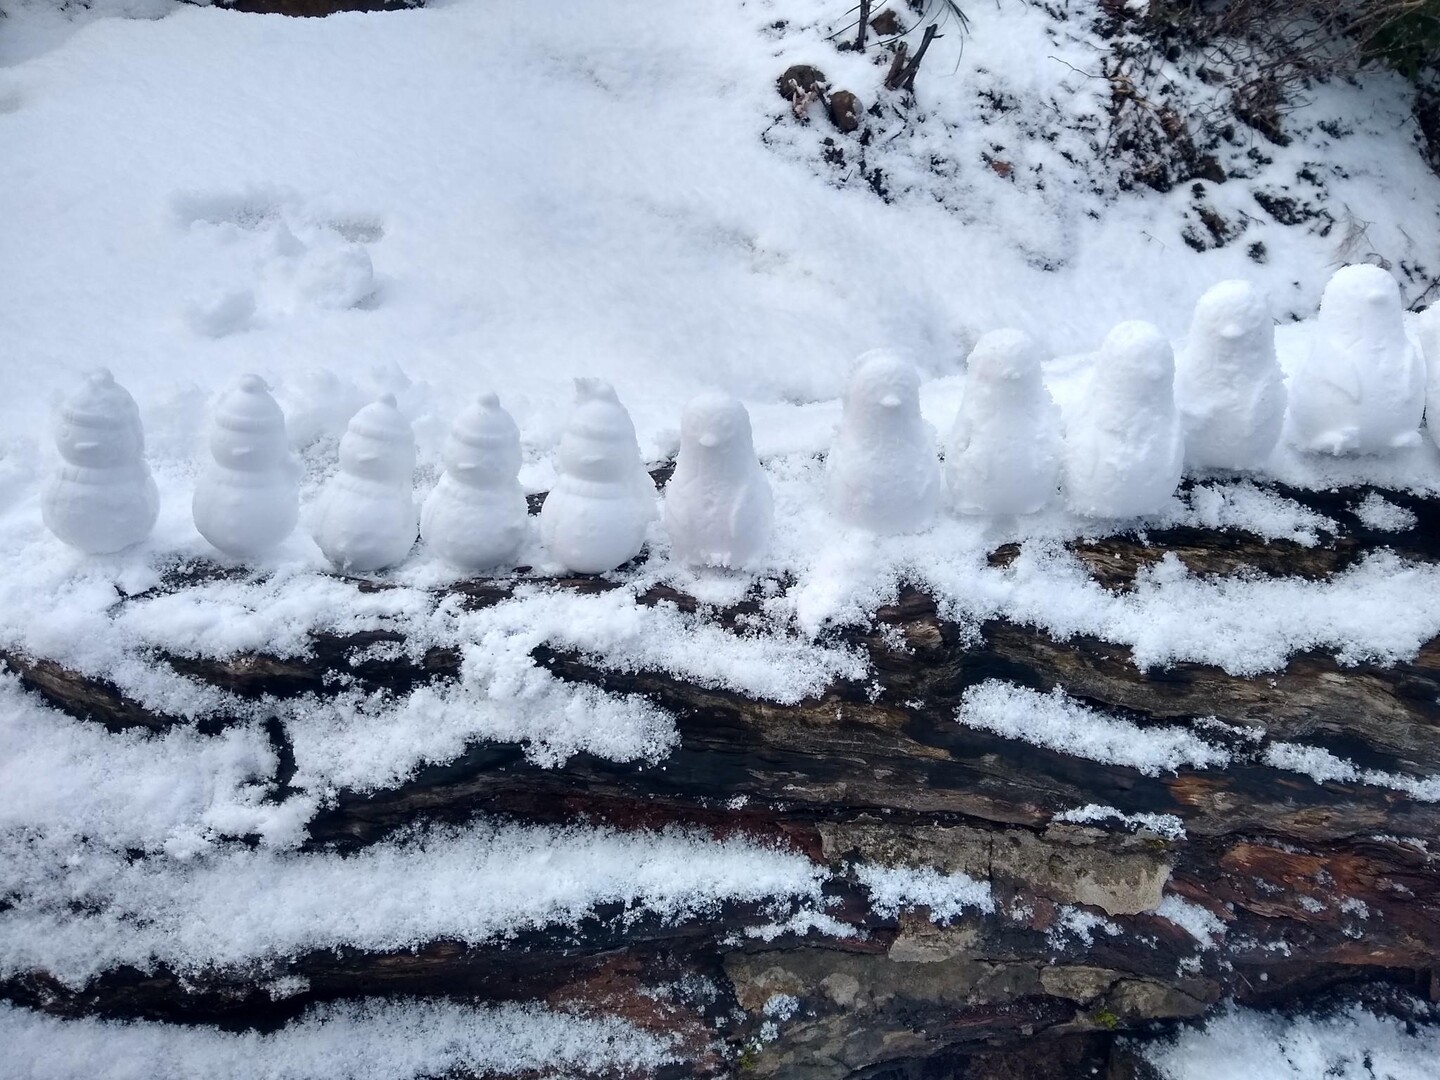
(465, 466)
(891, 401)
(709, 439)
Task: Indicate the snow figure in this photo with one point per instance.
(1124, 448)
(883, 472)
(595, 517)
(248, 498)
(102, 498)
(1429, 335)
(366, 518)
(1004, 452)
(1361, 389)
(1228, 384)
(718, 506)
(477, 514)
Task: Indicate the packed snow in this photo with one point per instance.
(366, 518)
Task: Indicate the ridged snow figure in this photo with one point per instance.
(1124, 448)
(883, 472)
(1004, 452)
(477, 514)
(1429, 334)
(366, 519)
(1361, 390)
(1228, 383)
(595, 517)
(718, 506)
(102, 498)
(248, 499)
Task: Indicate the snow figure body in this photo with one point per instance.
(595, 517)
(366, 518)
(248, 498)
(883, 472)
(1228, 384)
(1124, 447)
(1361, 389)
(1429, 336)
(102, 497)
(1004, 452)
(718, 507)
(476, 516)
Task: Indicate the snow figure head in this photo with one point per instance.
(716, 428)
(599, 441)
(1361, 307)
(883, 390)
(378, 444)
(1004, 362)
(99, 426)
(1233, 327)
(248, 429)
(483, 447)
(1135, 370)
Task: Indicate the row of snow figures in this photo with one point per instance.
(1221, 405)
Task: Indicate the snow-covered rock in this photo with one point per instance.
(718, 507)
(1004, 451)
(102, 497)
(476, 517)
(366, 519)
(883, 472)
(1361, 388)
(1228, 383)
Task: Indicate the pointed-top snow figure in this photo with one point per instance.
(718, 506)
(1228, 384)
(476, 516)
(102, 498)
(1124, 447)
(248, 498)
(595, 517)
(366, 518)
(1004, 451)
(1361, 389)
(883, 472)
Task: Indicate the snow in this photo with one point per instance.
(1195, 920)
(365, 518)
(1379, 513)
(1324, 767)
(1166, 825)
(894, 889)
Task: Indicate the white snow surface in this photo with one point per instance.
(894, 889)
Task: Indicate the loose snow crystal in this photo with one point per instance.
(102, 498)
(1124, 451)
(595, 517)
(477, 514)
(1228, 383)
(718, 506)
(883, 472)
(248, 498)
(366, 519)
(1361, 390)
(1004, 453)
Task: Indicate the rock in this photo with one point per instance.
(800, 80)
(886, 24)
(845, 110)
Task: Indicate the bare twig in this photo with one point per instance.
(864, 25)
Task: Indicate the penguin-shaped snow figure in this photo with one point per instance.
(102, 497)
(1361, 389)
(366, 519)
(1124, 445)
(1228, 384)
(248, 499)
(883, 472)
(476, 516)
(1004, 452)
(718, 506)
(595, 517)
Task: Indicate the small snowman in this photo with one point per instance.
(366, 516)
(1004, 452)
(1361, 388)
(102, 498)
(1428, 333)
(248, 498)
(1228, 384)
(595, 517)
(883, 472)
(1124, 447)
(718, 506)
(476, 516)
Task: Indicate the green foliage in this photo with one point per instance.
(1403, 34)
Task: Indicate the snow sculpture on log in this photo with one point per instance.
(718, 507)
(477, 514)
(883, 472)
(248, 498)
(1361, 389)
(366, 518)
(1429, 336)
(1228, 383)
(1004, 453)
(102, 497)
(596, 515)
(1124, 448)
